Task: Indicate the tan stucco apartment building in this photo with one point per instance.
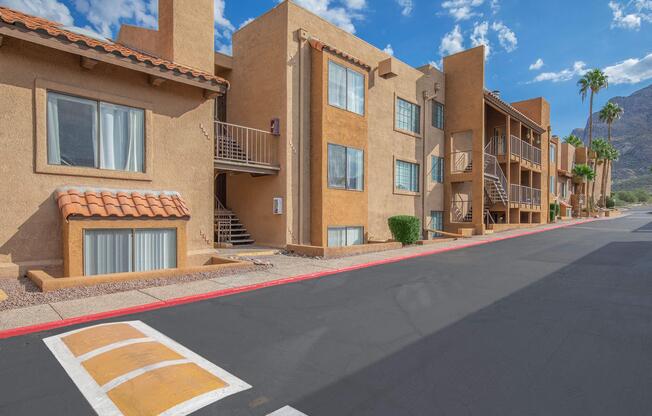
(360, 133)
(107, 161)
(142, 153)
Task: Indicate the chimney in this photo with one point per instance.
(187, 33)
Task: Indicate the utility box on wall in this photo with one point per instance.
(278, 206)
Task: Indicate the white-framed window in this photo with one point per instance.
(129, 250)
(438, 115)
(553, 154)
(345, 167)
(564, 189)
(437, 169)
(345, 88)
(94, 134)
(406, 176)
(553, 185)
(345, 236)
(436, 222)
(408, 116)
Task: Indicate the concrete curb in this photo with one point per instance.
(283, 281)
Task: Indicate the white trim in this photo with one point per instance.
(96, 395)
(287, 411)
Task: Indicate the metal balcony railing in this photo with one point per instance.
(461, 209)
(462, 162)
(244, 145)
(525, 150)
(497, 146)
(520, 194)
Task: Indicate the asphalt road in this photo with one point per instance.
(558, 323)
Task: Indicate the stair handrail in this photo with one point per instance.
(460, 208)
(492, 167)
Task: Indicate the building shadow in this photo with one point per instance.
(575, 342)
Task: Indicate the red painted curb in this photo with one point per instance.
(10, 333)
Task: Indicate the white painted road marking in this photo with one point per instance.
(287, 411)
(89, 357)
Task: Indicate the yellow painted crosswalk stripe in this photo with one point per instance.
(128, 368)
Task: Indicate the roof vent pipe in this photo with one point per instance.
(496, 93)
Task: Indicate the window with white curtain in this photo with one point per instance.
(345, 236)
(345, 167)
(406, 176)
(129, 250)
(345, 88)
(94, 134)
(408, 116)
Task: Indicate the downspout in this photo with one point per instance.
(302, 36)
(425, 169)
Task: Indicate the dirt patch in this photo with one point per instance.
(23, 292)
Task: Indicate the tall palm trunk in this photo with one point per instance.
(605, 170)
(589, 196)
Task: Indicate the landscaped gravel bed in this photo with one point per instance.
(23, 292)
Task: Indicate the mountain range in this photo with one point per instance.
(632, 136)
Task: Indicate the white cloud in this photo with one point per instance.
(105, 17)
(47, 9)
(389, 50)
(406, 7)
(342, 16)
(578, 68)
(246, 22)
(435, 65)
(630, 71)
(506, 36)
(479, 37)
(356, 4)
(462, 9)
(537, 65)
(620, 19)
(495, 6)
(632, 14)
(452, 42)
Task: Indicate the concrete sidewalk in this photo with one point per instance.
(283, 267)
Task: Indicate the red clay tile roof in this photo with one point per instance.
(319, 45)
(57, 30)
(112, 203)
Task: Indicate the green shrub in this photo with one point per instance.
(626, 196)
(555, 211)
(641, 195)
(611, 202)
(405, 228)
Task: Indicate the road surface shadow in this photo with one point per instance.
(577, 342)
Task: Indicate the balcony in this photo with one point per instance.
(247, 150)
(525, 195)
(526, 151)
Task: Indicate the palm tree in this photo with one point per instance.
(610, 155)
(610, 113)
(584, 173)
(602, 150)
(573, 140)
(592, 82)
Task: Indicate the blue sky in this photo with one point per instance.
(537, 48)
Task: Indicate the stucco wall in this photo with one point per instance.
(182, 151)
(385, 143)
(258, 94)
(330, 125)
(465, 74)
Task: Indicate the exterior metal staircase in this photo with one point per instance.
(495, 181)
(229, 229)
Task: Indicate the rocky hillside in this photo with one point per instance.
(632, 135)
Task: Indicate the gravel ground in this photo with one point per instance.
(23, 292)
